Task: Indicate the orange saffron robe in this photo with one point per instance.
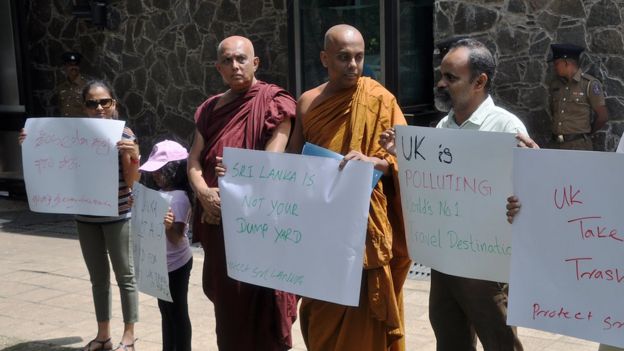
(353, 120)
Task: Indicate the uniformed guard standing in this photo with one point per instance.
(69, 92)
(573, 97)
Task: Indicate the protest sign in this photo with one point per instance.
(71, 165)
(296, 223)
(567, 268)
(454, 185)
(149, 245)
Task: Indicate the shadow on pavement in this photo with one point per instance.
(46, 345)
(15, 217)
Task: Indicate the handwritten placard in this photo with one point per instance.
(454, 185)
(71, 165)
(567, 270)
(296, 223)
(149, 241)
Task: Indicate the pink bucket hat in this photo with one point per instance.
(162, 153)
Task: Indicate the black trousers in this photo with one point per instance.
(176, 324)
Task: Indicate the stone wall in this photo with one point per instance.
(158, 54)
(519, 33)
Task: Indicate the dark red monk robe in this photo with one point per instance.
(248, 317)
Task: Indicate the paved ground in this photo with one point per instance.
(45, 296)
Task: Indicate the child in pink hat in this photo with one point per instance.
(167, 166)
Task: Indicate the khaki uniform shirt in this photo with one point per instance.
(70, 98)
(572, 103)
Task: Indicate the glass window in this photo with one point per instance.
(415, 53)
(317, 16)
(399, 45)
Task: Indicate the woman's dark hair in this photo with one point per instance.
(97, 83)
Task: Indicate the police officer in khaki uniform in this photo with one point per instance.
(573, 97)
(69, 92)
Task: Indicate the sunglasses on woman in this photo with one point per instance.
(93, 104)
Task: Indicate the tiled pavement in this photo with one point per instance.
(45, 296)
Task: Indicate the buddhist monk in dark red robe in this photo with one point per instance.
(254, 115)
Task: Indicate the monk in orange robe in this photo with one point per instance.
(347, 115)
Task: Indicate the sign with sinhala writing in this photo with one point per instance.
(296, 223)
(567, 270)
(149, 241)
(454, 185)
(71, 165)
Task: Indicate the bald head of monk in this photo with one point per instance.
(237, 63)
(343, 55)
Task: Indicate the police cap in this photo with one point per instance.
(71, 58)
(565, 51)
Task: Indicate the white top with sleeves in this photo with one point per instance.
(488, 118)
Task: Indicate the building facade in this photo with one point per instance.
(160, 54)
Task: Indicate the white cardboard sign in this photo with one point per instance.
(149, 245)
(296, 223)
(71, 165)
(454, 186)
(567, 270)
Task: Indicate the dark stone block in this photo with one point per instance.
(213, 84)
(615, 65)
(604, 13)
(114, 45)
(613, 87)
(114, 19)
(191, 37)
(173, 96)
(195, 70)
(168, 41)
(205, 14)
(41, 11)
(279, 5)
(175, 69)
(161, 21)
(162, 4)
(138, 29)
(131, 62)
(209, 49)
(516, 6)
(55, 27)
(608, 41)
(228, 12)
(573, 35)
(151, 93)
(535, 72)
(135, 7)
(192, 97)
(180, 126)
(263, 26)
(134, 104)
(548, 21)
(471, 18)
(511, 41)
(507, 73)
(56, 50)
(616, 108)
(533, 97)
(122, 84)
(570, 8)
(140, 79)
(70, 29)
(508, 95)
(151, 32)
(159, 73)
(540, 45)
(250, 10)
